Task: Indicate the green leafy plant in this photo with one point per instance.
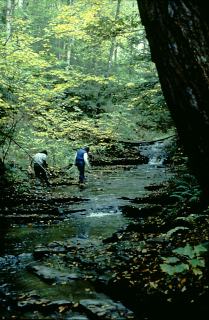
(189, 258)
(186, 189)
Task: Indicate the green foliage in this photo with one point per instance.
(16, 175)
(174, 230)
(192, 218)
(189, 258)
(186, 189)
(75, 73)
(173, 269)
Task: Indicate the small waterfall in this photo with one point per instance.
(156, 152)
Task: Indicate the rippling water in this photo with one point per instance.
(95, 219)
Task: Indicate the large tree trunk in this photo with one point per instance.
(178, 35)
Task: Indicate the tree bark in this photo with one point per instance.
(112, 52)
(20, 3)
(9, 9)
(178, 35)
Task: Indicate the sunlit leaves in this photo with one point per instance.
(53, 72)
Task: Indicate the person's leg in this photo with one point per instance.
(44, 176)
(80, 167)
(40, 174)
(82, 174)
(37, 173)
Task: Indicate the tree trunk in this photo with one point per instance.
(112, 52)
(177, 32)
(20, 3)
(70, 44)
(9, 9)
(69, 52)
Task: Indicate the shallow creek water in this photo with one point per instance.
(96, 218)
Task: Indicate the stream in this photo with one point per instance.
(85, 224)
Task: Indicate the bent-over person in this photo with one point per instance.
(40, 165)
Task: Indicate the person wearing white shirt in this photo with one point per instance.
(39, 165)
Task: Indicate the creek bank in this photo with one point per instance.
(31, 207)
(127, 265)
(124, 267)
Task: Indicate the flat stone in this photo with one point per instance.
(106, 309)
(51, 275)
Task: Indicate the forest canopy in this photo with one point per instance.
(75, 72)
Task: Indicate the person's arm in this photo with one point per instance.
(44, 163)
(30, 170)
(74, 162)
(86, 159)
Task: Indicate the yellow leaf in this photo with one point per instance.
(62, 308)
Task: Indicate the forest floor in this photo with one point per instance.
(157, 266)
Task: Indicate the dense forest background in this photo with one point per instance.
(81, 72)
(75, 72)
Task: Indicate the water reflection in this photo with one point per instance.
(99, 216)
(92, 220)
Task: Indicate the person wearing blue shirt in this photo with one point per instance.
(82, 160)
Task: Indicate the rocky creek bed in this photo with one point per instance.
(106, 251)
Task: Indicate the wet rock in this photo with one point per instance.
(79, 242)
(32, 304)
(23, 218)
(51, 275)
(120, 161)
(40, 252)
(175, 231)
(78, 317)
(140, 212)
(54, 247)
(8, 260)
(58, 250)
(183, 222)
(145, 228)
(24, 257)
(63, 199)
(158, 198)
(103, 280)
(116, 236)
(21, 210)
(154, 187)
(105, 309)
(157, 240)
(46, 306)
(59, 304)
(2, 261)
